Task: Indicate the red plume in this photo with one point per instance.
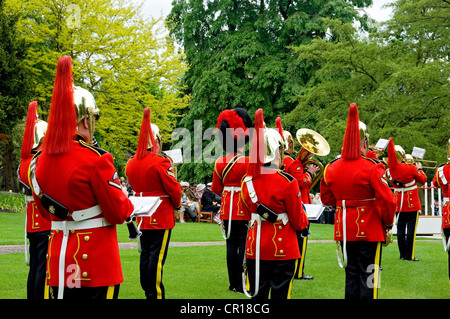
(62, 121)
(392, 156)
(234, 122)
(258, 148)
(279, 126)
(145, 135)
(28, 134)
(351, 149)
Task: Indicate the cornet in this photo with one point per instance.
(312, 143)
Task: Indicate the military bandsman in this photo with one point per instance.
(37, 223)
(441, 179)
(233, 128)
(365, 208)
(79, 187)
(151, 174)
(404, 178)
(273, 198)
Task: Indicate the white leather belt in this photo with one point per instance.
(408, 187)
(283, 217)
(86, 213)
(232, 188)
(66, 227)
(29, 198)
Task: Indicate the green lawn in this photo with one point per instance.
(199, 272)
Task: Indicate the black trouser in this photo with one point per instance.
(38, 262)
(362, 260)
(275, 277)
(302, 245)
(86, 293)
(447, 236)
(235, 252)
(406, 233)
(154, 245)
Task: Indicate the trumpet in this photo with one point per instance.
(312, 143)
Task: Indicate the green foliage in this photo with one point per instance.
(397, 76)
(12, 202)
(238, 54)
(122, 58)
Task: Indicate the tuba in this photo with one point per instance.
(312, 143)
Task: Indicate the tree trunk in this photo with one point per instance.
(9, 170)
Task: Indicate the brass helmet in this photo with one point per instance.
(409, 159)
(287, 138)
(273, 142)
(85, 107)
(363, 133)
(157, 134)
(399, 152)
(39, 132)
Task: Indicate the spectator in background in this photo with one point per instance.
(187, 205)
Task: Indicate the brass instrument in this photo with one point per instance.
(312, 143)
(433, 164)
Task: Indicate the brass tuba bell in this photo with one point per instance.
(312, 143)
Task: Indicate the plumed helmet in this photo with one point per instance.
(363, 133)
(84, 103)
(39, 132)
(399, 152)
(273, 142)
(156, 133)
(233, 126)
(351, 148)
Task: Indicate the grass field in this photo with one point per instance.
(199, 272)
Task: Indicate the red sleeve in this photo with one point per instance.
(420, 176)
(115, 205)
(295, 168)
(326, 195)
(217, 184)
(294, 208)
(170, 183)
(384, 196)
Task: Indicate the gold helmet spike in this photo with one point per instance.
(399, 152)
(273, 143)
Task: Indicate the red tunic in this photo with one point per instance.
(370, 203)
(441, 179)
(80, 179)
(404, 178)
(36, 220)
(278, 191)
(153, 176)
(228, 172)
(304, 179)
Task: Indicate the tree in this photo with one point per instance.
(122, 58)
(14, 91)
(397, 76)
(239, 56)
